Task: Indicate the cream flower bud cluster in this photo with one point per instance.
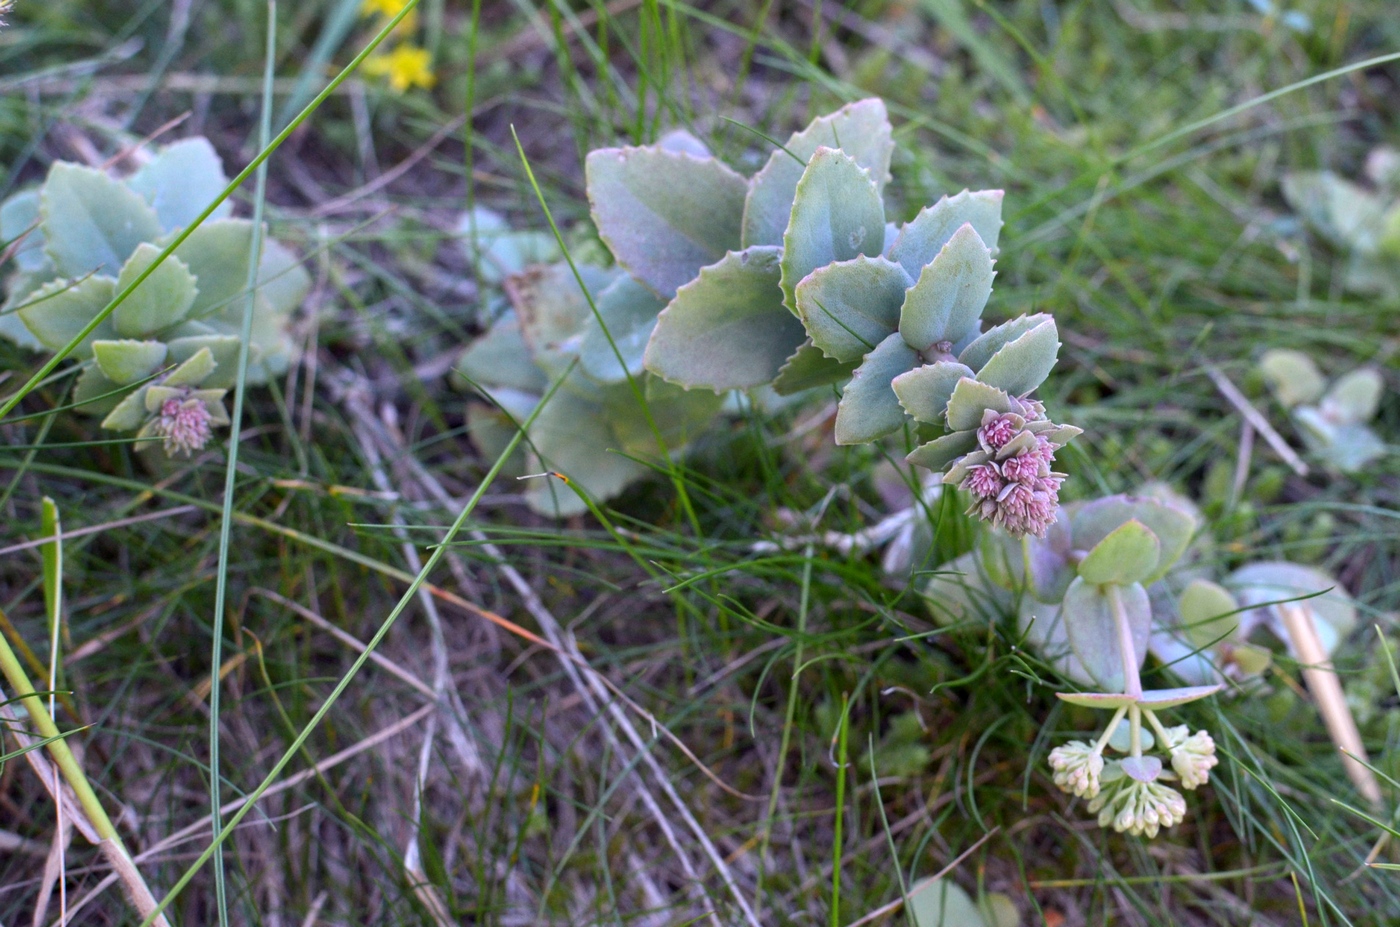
(1128, 794)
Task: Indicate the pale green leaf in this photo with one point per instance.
(836, 215)
(664, 214)
(924, 391)
(1209, 613)
(500, 357)
(161, 301)
(59, 310)
(1126, 555)
(945, 305)
(938, 453)
(180, 181)
(850, 306)
(1292, 376)
(942, 903)
(1092, 629)
(571, 435)
(970, 400)
(869, 409)
(628, 310)
(1172, 525)
(90, 385)
(91, 222)
(809, 367)
(1023, 364)
(224, 350)
(192, 371)
(861, 130)
(129, 413)
(924, 236)
(727, 329)
(126, 361)
(19, 216)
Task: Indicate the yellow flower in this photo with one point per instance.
(406, 66)
(389, 9)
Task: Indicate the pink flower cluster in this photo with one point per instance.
(184, 424)
(1015, 488)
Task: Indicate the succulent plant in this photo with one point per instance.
(1331, 420)
(1362, 221)
(84, 236)
(593, 427)
(794, 278)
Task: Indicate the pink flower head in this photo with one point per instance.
(184, 424)
(983, 481)
(998, 429)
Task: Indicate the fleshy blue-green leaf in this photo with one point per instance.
(129, 413)
(91, 384)
(180, 181)
(946, 303)
(809, 367)
(924, 391)
(57, 311)
(924, 236)
(571, 435)
(161, 301)
(1103, 700)
(664, 214)
(1023, 364)
(1292, 376)
(192, 372)
(217, 254)
(497, 251)
(92, 222)
(680, 415)
(1209, 613)
(970, 399)
(222, 348)
(501, 358)
(1355, 397)
(869, 409)
(1127, 555)
(981, 349)
(1093, 631)
(942, 903)
(629, 310)
(552, 309)
(727, 329)
(22, 287)
(850, 306)
(1281, 581)
(19, 215)
(836, 215)
(1159, 699)
(861, 130)
(124, 362)
(1172, 526)
(679, 141)
(938, 453)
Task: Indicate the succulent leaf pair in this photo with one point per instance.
(85, 236)
(1363, 221)
(1332, 420)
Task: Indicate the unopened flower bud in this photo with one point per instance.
(1077, 767)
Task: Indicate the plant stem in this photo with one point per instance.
(836, 842)
(1127, 651)
(1134, 731)
(111, 845)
